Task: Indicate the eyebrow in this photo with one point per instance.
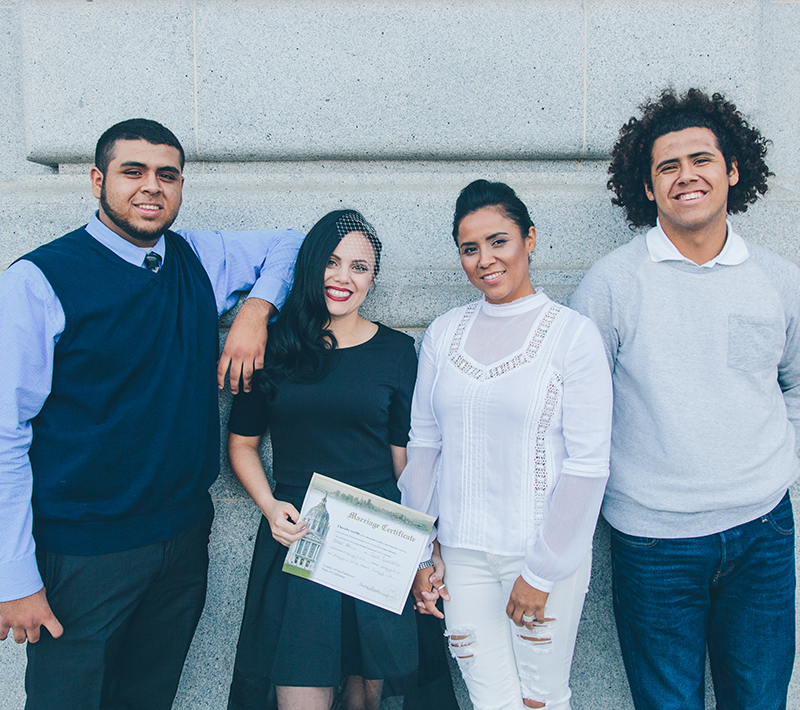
(486, 238)
(675, 160)
(352, 261)
(162, 169)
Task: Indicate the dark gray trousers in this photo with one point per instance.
(128, 620)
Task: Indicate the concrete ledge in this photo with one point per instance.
(508, 79)
(84, 66)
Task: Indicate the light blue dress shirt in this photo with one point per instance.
(31, 322)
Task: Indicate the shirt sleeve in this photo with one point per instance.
(565, 536)
(250, 412)
(789, 365)
(400, 405)
(261, 261)
(31, 321)
(593, 299)
(417, 483)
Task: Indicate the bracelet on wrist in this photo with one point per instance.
(426, 564)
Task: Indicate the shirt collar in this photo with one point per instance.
(122, 247)
(662, 249)
(521, 305)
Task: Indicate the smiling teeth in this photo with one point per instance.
(690, 196)
(337, 293)
(493, 276)
(149, 208)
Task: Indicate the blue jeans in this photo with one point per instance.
(732, 592)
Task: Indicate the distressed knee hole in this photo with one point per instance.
(537, 639)
(530, 692)
(461, 644)
(528, 673)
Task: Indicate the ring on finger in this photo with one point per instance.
(528, 618)
(441, 587)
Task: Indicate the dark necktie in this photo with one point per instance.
(152, 262)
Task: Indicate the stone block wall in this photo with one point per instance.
(288, 110)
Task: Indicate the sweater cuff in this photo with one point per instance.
(543, 585)
(19, 578)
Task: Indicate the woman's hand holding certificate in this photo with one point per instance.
(284, 522)
(358, 543)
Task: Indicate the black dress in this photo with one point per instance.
(296, 632)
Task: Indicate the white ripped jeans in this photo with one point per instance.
(503, 663)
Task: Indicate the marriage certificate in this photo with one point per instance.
(358, 543)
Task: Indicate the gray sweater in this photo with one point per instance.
(706, 374)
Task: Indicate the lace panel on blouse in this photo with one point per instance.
(513, 355)
(539, 468)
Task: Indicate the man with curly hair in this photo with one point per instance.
(702, 334)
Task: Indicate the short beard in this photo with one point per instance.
(140, 235)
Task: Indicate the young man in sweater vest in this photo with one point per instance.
(109, 427)
(701, 331)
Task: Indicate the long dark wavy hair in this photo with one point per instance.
(300, 343)
(737, 140)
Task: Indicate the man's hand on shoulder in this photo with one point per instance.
(245, 344)
(25, 617)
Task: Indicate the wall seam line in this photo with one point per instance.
(585, 79)
(194, 63)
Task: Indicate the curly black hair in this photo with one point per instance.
(632, 155)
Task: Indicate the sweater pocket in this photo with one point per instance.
(754, 343)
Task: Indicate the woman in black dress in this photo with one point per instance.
(335, 394)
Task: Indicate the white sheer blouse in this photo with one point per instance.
(510, 428)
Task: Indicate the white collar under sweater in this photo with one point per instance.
(662, 249)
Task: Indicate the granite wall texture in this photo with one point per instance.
(288, 110)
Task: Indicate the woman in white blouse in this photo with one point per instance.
(510, 428)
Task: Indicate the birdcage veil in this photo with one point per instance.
(353, 221)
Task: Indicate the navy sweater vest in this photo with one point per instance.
(127, 443)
